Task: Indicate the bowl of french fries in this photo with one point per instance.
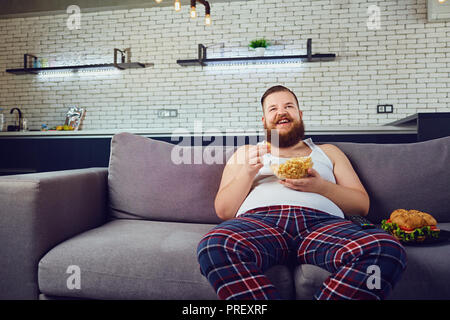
(294, 168)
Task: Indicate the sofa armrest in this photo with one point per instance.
(39, 211)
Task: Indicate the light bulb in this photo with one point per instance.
(177, 5)
(208, 19)
(193, 12)
(158, 1)
(442, 1)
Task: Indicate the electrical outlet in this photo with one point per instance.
(385, 108)
(167, 113)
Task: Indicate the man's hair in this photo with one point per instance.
(274, 89)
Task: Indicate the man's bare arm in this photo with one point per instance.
(237, 179)
(352, 196)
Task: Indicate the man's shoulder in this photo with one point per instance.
(327, 147)
(333, 152)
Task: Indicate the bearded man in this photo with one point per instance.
(268, 220)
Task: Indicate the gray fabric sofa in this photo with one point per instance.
(131, 231)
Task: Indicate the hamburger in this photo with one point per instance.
(294, 168)
(411, 225)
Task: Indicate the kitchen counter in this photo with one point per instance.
(311, 130)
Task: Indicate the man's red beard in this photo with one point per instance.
(285, 139)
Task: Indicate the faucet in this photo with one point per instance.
(20, 118)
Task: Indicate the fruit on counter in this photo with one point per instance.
(62, 128)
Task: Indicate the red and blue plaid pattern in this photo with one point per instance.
(235, 254)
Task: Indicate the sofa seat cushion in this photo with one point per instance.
(136, 259)
(426, 277)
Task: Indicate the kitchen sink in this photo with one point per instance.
(13, 128)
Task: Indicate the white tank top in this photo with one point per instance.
(267, 191)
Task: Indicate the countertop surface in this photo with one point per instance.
(310, 130)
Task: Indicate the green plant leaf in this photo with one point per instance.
(259, 43)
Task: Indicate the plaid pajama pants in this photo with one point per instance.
(234, 255)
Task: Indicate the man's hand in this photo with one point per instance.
(312, 183)
(253, 158)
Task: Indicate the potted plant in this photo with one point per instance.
(259, 45)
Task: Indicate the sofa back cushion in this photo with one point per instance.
(147, 181)
(409, 176)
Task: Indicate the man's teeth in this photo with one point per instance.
(283, 121)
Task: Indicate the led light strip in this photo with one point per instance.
(244, 66)
(105, 71)
(283, 63)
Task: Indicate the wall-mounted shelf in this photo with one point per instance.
(202, 59)
(80, 68)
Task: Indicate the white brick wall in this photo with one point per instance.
(405, 63)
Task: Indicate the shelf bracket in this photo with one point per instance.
(122, 58)
(25, 60)
(201, 54)
(309, 49)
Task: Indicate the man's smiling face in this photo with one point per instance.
(281, 113)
